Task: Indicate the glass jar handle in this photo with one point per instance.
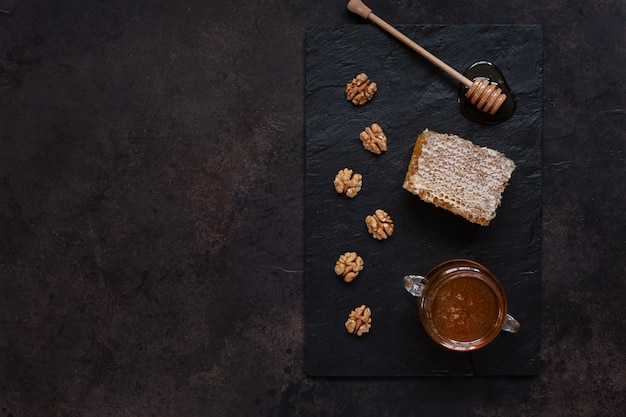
(510, 324)
(415, 284)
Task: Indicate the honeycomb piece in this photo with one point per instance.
(459, 176)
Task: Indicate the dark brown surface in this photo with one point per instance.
(152, 212)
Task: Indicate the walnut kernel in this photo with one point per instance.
(359, 321)
(349, 265)
(360, 90)
(379, 224)
(348, 182)
(374, 139)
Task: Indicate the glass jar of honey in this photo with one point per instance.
(461, 304)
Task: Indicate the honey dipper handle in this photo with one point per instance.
(357, 7)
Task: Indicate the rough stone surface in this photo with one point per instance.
(412, 96)
(152, 212)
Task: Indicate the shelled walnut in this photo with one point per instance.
(359, 321)
(374, 139)
(380, 224)
(348, 182)
(360, 90)
(349, 265)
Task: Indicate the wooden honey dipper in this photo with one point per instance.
(482, 93)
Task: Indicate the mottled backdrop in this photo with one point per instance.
(152, 212)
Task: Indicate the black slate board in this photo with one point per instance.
(414, 95)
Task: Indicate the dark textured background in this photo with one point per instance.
(152, 212)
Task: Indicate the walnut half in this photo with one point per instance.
(359, 321)
(360, 90)
(348, 182)
(374, 139)
(379, 224)
(349, 265)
